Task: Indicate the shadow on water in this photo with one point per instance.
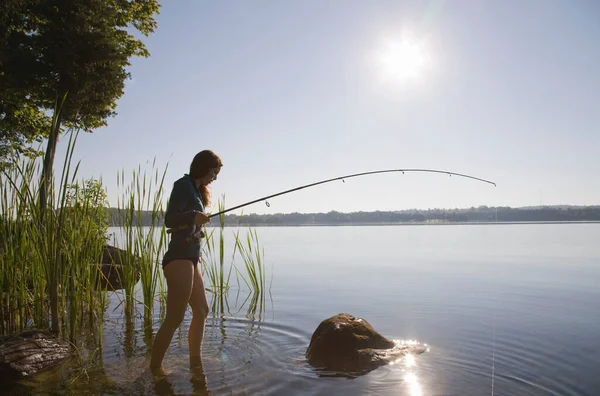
(117, 363)
(168, 385)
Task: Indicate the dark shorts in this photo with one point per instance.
(194, 260)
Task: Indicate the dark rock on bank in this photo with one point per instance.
(111, 266)
(345, 343)
(30, 352)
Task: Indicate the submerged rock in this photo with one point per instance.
(350, 344)
(28, 353)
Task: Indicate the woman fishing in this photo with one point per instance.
(184, 217)
(186, 214)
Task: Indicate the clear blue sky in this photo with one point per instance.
(292, 92)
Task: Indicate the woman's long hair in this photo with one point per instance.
(204, 161)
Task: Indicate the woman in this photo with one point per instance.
(186, 212)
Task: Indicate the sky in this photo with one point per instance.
(293, 92)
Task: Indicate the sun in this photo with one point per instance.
(401, 60)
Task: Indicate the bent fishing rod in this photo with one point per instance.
(342, 178)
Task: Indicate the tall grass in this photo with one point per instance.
(252, 274)
(252, 256)
(46, 272)
(214, 263)
(140, 213)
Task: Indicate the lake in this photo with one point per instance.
(505, 309)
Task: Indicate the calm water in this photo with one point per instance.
(506, 310)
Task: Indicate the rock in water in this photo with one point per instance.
(111, 266)
(27, 353)
(349, 344)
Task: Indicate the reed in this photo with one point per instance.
(85, 228)
(48, 275)
(218, 272)
(140, 214)
(255, 276)
(15, 296)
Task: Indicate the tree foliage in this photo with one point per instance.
(74, 50)
(86, 205)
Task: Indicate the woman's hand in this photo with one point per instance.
(201, 218)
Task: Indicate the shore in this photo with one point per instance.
(406, 223)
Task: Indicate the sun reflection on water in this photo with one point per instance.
(409, 360)
(408, 364)
(414, 388)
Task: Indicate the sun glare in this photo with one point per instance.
(414, 388)
(401, 61)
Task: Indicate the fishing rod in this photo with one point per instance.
(342, 178)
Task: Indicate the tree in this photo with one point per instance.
(63, 65)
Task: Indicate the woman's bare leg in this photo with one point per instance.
(199, 305)
(179, 275)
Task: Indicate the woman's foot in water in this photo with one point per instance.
(159, 372)
(198, 378)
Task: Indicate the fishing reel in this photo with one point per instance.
(197, 233)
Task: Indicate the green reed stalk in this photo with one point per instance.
(12, 270)
(252, 256)
(144, 237)
(46, 261)
(87, 223)
(219, 274)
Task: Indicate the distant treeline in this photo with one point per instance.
(470, 215)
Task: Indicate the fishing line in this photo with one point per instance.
(494, 356)
(342, 178)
